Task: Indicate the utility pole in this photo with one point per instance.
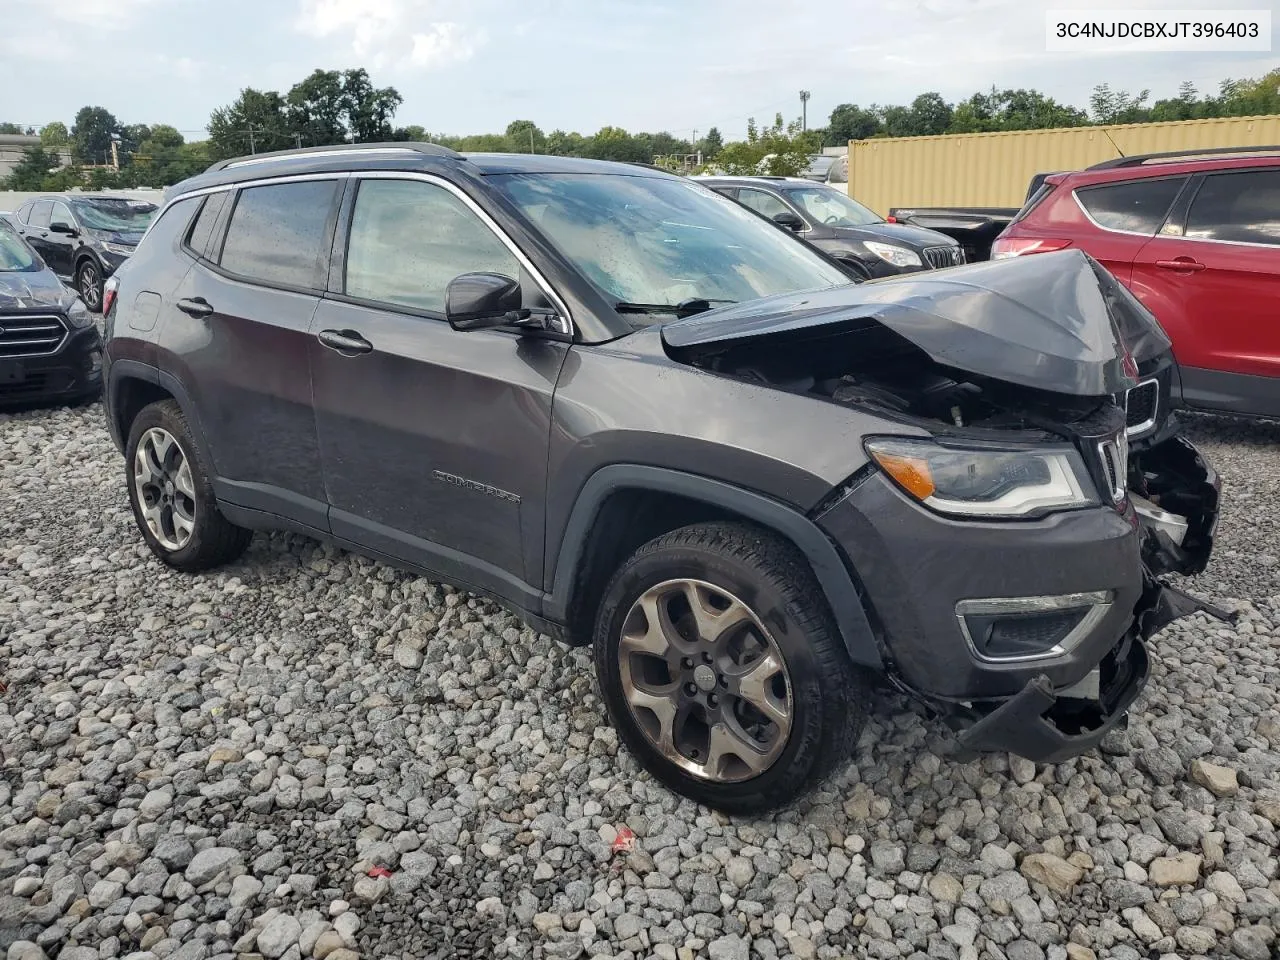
(297, 138)
(804, 110)
(253, 147)
(531, 147)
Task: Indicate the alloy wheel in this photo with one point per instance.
(705, 681)
(90, 290)
(164, 487)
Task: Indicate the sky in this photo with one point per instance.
(472, 66)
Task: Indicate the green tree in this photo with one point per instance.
(411, 134)
(614, 143)
(31, 172)
(103, 178)
(54, 134)
(524, 136)
(255, 122)
(91, 134)
(315, 110)
(929, 115)
(368, 109)
(1251, 98)
(160, 161)
(10, 129)
(563, 144)
(712, 144)
(1118, 106)
(850, 122)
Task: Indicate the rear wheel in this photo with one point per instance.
(172, 498)
(721, 668)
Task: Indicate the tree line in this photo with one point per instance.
(332, 107)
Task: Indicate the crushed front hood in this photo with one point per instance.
(1054, 321)
(21, 290)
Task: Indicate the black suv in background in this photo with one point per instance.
(652, 422)
(85, 237)
(840, 227)
(50, 348)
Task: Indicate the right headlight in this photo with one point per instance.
(973, 481)
(892, 253)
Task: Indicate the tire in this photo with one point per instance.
(89, 284)
(827, 696)
(197, 536)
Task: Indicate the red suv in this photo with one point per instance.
(1196, 237)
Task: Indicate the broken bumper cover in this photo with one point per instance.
(1048, 726)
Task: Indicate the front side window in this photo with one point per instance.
(279, 233)
(1135, 206)
(659, 240)
(61, 215)
(115, 214)
(831, 207)
(409, 239)
(761, 202)
(1237, 207)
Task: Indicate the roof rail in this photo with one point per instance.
(337, 150)
(1172, 155)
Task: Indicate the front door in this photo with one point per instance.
(61, 243)
(433, 441)
(36, 230)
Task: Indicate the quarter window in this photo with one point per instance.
(24, 211)
(409, 239)
(202, 230)
(1135, 206)
(1238, 207)
(278, 233)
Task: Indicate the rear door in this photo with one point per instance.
(239, 340)
(1124, 215)
(1212, 276)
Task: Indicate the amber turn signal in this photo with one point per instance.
(911, 473)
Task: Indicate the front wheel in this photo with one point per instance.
(89, 284)
(722, 670)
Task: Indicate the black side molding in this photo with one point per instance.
(821, 553)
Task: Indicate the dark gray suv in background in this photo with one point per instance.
(652, 422)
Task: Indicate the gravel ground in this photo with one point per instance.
(312, 755)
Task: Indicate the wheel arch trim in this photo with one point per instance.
(824, 559)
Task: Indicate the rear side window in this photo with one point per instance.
(278, 233)
(40, 211)
(1237, 207)
(1135, 206)
(202, 229)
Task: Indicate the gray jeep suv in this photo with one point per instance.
(650, 421)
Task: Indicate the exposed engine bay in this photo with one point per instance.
(1174, 493)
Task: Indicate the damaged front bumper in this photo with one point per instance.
(1177, 512)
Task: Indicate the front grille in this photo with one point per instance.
(31, 335)
(1140, 406)
(1114, 455)
(951, 255)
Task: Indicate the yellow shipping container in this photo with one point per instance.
(994, 169)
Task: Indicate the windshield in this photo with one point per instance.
(832, 207)
(650, 240)
(120, 215)
(15, 255)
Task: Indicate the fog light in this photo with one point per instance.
(1015, 629)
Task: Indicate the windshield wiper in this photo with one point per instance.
(685, 308)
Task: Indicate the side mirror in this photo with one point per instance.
(789, 220)
(59, 226)
(480, 301)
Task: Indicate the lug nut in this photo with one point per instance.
(691, 689)
(706, 658)
(687, 662)
(712, 700)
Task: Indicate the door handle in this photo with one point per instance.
(349, 343)
(195, 307)
(1180, 263)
